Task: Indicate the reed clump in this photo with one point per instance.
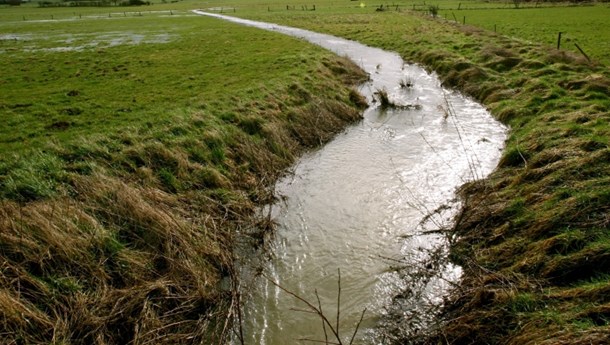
(386, 103)
(384, 99)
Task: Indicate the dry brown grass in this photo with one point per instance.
(117, 265)
(135, 244)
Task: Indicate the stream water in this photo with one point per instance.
(357, 204)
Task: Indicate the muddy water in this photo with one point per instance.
(361, 198)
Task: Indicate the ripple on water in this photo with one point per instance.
(361, 199)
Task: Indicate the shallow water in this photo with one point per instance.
(360, 200)
(62, 42)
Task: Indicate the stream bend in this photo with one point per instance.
(359, 203)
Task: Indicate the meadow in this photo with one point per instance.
(127, 167)
(133, 149)
(537, 22)
(586, 26)
(103, 74)
(77, 81)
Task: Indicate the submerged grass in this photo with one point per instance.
(128, 166)
(533, 236)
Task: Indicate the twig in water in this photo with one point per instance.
(338, 297)
(357, 326)
(311, 306)
(326, 324)
(471, 160)
(323, 324)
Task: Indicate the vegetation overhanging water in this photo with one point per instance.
(361, 203)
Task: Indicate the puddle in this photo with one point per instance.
(82, 42)
(15, 37)
(359, 204)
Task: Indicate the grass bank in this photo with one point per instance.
(533, 237)
(133, 151)
(585, 26)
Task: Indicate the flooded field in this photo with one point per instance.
(80, 42)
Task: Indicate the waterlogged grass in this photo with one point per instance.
(81, 83)
(534, 239)
(539, 22)
(101, 75)
(132, 151)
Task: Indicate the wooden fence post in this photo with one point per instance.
(583, 53)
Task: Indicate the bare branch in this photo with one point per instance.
(311, 306)
(304, 311)
(338, 298)
(357, 327)
(323, 324)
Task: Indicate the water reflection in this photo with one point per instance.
(357, 203)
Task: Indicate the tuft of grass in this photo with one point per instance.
(384, 99)
(407, 83)
(385, 103)
(35, 177)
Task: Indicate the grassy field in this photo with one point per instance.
(133, 149)
(539, 22)
(586, 26)
(75, 82)
(188, 151)
(100, 75)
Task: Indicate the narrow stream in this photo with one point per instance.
(357, 204)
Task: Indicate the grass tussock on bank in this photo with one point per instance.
(125, 235)
(533, 236)
(117, 264)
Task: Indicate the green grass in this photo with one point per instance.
(541, 22)
(96, 89)
(131, 149)
(583, 25)
(207, 126)
(199, 64)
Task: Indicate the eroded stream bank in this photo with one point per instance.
(358, 203)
